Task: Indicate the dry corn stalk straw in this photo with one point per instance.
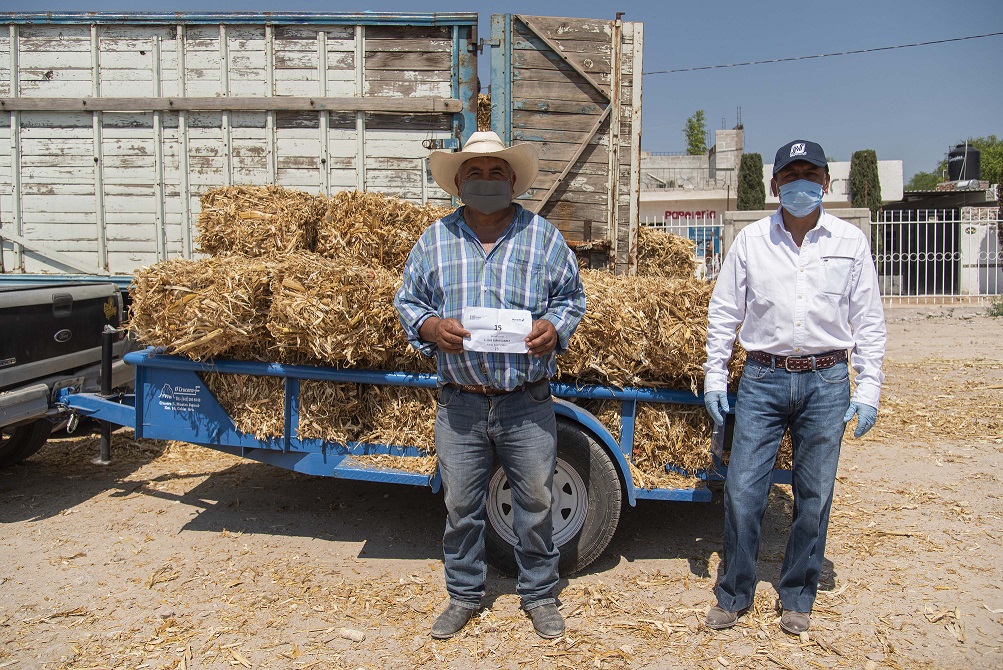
(203, 309)
(483, 111)
(378, 228)
(258, 220)
(254, 403)
(677, 435)
(661, 254)
(330, 411)
(340, 314)
(399, 415)
(639, 331)
(669, 434)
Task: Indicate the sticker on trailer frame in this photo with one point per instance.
(180, 398)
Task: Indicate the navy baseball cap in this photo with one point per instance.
(799, 150)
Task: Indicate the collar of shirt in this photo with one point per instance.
(777, 222)
(457, 219)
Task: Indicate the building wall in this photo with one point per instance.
(889, 174)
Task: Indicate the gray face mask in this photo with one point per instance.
(487, 196)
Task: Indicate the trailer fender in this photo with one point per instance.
(589, 422)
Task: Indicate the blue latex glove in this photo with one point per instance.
(716, 403)
(866, 417)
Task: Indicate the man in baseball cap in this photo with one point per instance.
(491, 259)
(800, 150)
(799, 290)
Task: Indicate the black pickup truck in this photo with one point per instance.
(50, 339)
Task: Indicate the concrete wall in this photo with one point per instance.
(889, 174)
(735, 221)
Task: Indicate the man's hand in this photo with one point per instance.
(447, 334)
(716, 403)
(542, 339)
(867, 416)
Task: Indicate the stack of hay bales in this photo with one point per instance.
(310, 280)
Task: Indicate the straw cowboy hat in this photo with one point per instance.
(524, 159)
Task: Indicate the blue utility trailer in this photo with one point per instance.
(591, 483)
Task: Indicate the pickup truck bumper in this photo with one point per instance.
(39, 400)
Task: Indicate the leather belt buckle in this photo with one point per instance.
(788, 367)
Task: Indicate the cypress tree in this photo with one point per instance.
(751, 191)
(865, 187)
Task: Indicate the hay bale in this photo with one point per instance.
(670, 434)
(330, 411)
(664, 434)
(377, 228)
(258, 220)
(399, 415)
(661, 254)
(339, 313)
(642, 331)
(203, 309)
(639, 331)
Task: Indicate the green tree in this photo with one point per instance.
(751, 190)
(695, 132)
(865, 187)
(923, 181)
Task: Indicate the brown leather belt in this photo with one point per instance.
(799, 363)
(490, 390)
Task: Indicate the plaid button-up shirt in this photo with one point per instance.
(529, 267)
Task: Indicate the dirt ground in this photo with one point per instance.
(180, 557)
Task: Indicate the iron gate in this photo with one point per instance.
(938, 255)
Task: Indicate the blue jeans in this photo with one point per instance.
(812, 405)
(521, 428)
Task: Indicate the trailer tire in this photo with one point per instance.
(588, 496)
(19, 442)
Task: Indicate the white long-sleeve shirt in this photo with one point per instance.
(792, 301)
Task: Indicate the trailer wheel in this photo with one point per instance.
(586, 508)
(19, 442)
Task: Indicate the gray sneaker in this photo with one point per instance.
(451, 621)
(719, 618)
(547, 621)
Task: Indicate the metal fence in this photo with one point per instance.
(704, 231)
(922, 256)
(943, 255)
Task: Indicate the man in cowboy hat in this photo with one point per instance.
(496, 256)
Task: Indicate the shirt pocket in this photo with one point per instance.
(835, 274)
(526, 286)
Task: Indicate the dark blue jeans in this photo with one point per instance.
(521, 428)
(812, 405)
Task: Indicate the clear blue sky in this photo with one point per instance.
(908, 104)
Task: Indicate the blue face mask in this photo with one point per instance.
(800, 198)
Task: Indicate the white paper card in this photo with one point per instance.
(497, 331)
